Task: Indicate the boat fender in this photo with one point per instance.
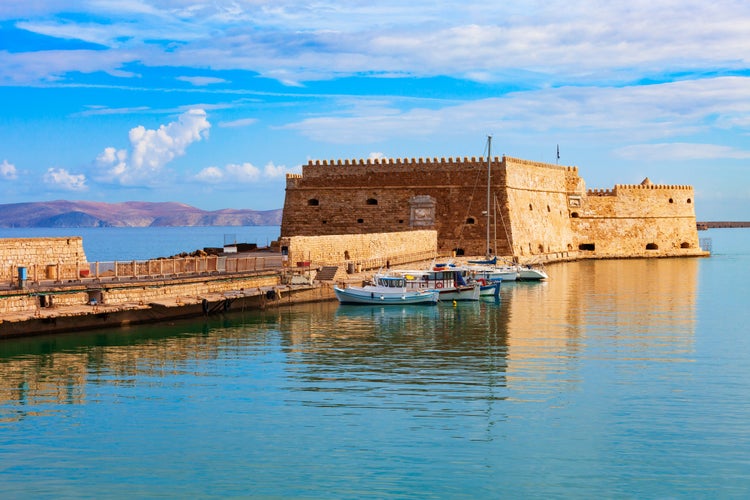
(438, 285)
(482, 281)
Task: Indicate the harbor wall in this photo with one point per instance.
(52, 258)
(363, 251)
(169, 291)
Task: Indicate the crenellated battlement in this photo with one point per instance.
(673, 187)
(638, 187)
(539, 164)
(451, 161)
(434, 161)
(601, 192)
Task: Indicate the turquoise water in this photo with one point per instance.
(614, 379)
(142, 243)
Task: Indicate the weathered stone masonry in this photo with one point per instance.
(52, 258)
(543, 211)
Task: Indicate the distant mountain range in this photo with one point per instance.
(63, 213)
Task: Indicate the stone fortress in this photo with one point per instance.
(352, 210)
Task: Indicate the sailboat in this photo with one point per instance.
(488, 268)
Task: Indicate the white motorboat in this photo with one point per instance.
(446, 280)
(385, 290)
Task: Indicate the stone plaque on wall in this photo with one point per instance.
(422, 211)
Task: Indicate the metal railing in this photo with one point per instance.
(35, 274)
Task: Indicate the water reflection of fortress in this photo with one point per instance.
(644, 306)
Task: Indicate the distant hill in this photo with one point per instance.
(63, 213)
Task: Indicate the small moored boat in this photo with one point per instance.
(446, 280)
(385, 290)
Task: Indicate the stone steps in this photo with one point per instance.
(326, 273)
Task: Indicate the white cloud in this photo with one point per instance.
(212, 175)
(150, 150)
(200, 81)
(60, 178)
(243, 173)
(8, 171)
(681, 151)
(242, 122)
(51, 65)
(631, 113)
(572, 41)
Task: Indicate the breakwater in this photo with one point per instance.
(48, 286)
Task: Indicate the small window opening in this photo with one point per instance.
(684, 244)
(689, 201)
(360, 221)
(458, 251)
(573, 215)
(470, 220)
(313, 202)
(372, 201)
(652, 246)
(671, 200)
(588, 247)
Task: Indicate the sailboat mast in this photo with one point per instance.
(489, 177)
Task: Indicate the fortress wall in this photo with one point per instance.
(65, 254)
(358, 248)
(354, 198)
(326, 168)
(638, 237)
(622, 222)
(642, 201)
(537, 207)
(544, 209)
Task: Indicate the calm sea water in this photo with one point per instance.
(614, 379)
(141, 243)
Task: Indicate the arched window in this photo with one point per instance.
(671, 200)
(313, 202)
(372, 201)
(531, 207)
(684, 244)
(689, 201)
(573, 215)
(652, 246)
(470, 220)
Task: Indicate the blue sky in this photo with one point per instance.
(212, 103)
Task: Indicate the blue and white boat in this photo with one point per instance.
(444, 279)
(385, 290)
